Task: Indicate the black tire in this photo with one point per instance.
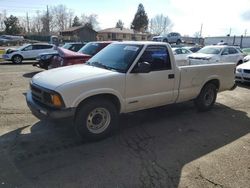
(206, 98)
(86, 118)
(165, 40)
(178, 41)
(17, 59)
(240, 62)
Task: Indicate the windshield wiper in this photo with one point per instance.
(100, 65)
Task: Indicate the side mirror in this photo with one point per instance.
(143, 67)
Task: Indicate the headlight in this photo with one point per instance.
(53, 99)
(47, 57)
(246, 59)
(56, 100)
(239, 70)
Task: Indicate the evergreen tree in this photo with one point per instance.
(119, 24)
(12, 25)
(140, 22)
(76, 22)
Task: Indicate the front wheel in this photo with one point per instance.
(206, 98)
(96, 119)
(17, 59)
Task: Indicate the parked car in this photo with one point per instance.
(180, 55)
(66, 58)
(246, 58)
(122, 78)
(74, 46)
(27, 52)
(216, 54)
(246, 51)
(44, 59)
(8, 40)
(172, 37)
(242, 73)
(193, 48)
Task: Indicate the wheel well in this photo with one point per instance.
(216, 82)
(17, 55)
(107, 96)
(239, 62)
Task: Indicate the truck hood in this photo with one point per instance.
(244, 66)
(54, 78)
(201, 56)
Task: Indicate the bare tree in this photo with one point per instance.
(160, 25)
(46, 22)
(23, 24)
(60, 17)
(36, 24)
(70, 17)
(90, 21)
(3, 16)
(196, 34)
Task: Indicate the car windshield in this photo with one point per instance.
(117, 57)
(90, 48)
(210, 50)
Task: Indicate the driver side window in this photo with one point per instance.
(28, 48)
(157, 57)
(225, 51)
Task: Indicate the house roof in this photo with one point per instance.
(117, 30)
(72, 29)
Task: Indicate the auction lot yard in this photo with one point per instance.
(172, 146)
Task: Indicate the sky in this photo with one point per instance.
(218, 17)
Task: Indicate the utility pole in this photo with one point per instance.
(201, 30)
(47, 21)
(28, 22)
(245, 32)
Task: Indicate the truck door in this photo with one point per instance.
(145, 90)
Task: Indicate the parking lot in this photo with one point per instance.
(171, 146)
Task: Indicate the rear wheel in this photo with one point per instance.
(17, 59)
(178, 41)
(206, 98)
(165, 40)
(96, 119)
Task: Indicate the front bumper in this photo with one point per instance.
(47, 113)
(6, 57)
(242, 77)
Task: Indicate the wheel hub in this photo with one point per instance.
(98, 120)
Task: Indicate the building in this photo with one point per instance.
(118, 34)
(242, 41)
(79, 33)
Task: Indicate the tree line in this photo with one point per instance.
(58, 18)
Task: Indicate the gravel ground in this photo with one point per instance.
(172, 146)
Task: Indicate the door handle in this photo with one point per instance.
(171, 76)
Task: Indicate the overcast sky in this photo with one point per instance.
(217, 16)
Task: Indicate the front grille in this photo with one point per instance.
(37, 93)
(248, 79)
(246, 71)
(40, 95)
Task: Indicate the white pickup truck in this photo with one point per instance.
(123, 77)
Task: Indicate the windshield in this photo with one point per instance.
(210, 50)
(90, 48)
(116, 57)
